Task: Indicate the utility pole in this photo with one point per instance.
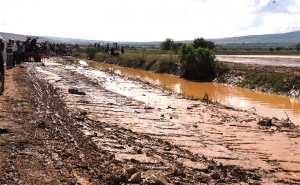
(3, 31)
(234, 40)
(235, 45)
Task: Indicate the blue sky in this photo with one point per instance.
(149, 20)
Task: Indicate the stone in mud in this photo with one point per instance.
(265, 122)
(157, 178)
(136, 177)
(74, 90)
(156, 181)
(215, 176)
(119, 174)
(3, 130)
(178, 172)
(131, 171)
(42, 125)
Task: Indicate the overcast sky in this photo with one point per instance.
(149, 20)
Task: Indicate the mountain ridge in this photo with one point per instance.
(280, 38)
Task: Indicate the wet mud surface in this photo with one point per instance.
(123, 131)
(266, 60)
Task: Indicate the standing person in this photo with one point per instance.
(9, 54)
(2, 52)
(122, 50)
(19, 52)
(47, 49)
(15, 47)
(23, 52)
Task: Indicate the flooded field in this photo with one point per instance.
(278, 60)
(265, 104)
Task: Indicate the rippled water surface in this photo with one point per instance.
(265, 104)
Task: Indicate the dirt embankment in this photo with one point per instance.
(238, 71)
(142, 135)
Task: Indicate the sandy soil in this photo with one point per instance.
(125, 131)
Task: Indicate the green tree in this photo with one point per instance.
(277, 48)
(298, 47)
(75, 46)
(167, 44)
(63, 45)
(197, 63)
(201, 42)
(271, 49)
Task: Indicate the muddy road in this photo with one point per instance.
(122, 131)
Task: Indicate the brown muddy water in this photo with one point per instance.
(264, 104)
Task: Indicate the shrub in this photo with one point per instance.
(83, 55)
(197, 63)
(99, 56)
(298, 47)
(221, 68)
(166, 64)
(201, 42)
(169, 44)
(90, 51)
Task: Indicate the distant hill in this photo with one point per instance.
(20, 37)
(282, 38)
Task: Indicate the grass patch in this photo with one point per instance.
(274, 82)
(221, 68)
(99, 56)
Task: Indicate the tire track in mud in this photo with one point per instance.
(29, 152)
(114, 145)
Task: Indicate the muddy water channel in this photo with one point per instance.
(265, 104)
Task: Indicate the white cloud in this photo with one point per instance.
(147, 20)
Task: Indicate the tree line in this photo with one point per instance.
(197, 61)
(169, 44)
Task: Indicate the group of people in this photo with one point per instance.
(105, 48)
(14, 53)
(31, 45)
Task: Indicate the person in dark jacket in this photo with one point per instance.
(2, 46)
(19, 52)
(9, 54)
(122, 50)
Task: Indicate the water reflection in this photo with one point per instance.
(266, 104)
